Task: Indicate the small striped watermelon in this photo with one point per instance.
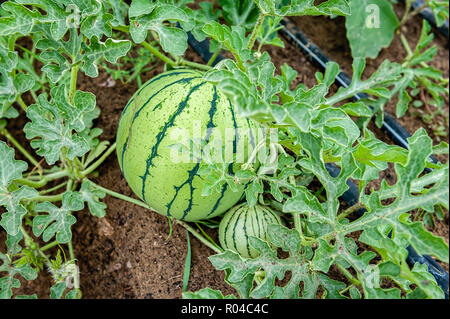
(174, 99)
(243, 221)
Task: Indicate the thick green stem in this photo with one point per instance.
(51, 176)
(22, 103)
(408, 4)
(71, 253)
(98, 162)
(298, 224)
(349, 211)
(254, 34)
(34, 184)
(306, 241)
(253, 155)
(239, 62)
(195, 65)
(49, 246)
(122, 197)
(213, 58)
(59, 186)
(348, 275)
(33, 95)
(197, 235)
(70, 185)
(207, 236)
(144, 205)
(122, 28)
(73, 82)
(158, 54)
(12, 43)
(48, 198)
(406, 46)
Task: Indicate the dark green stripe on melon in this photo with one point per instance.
(153, 81)
(157, 78)
(162, 134)
(243, 221)
(193, 172)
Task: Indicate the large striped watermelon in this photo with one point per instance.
(243, 221)
(175, 99)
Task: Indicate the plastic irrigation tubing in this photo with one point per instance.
(351, 196)
(202, 49)
(428, 15)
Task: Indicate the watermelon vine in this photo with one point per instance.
(285, 201)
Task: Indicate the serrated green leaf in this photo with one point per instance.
(303, 7)
(119, 11)
(234, 38)
(59, 17)
(12, 243)
(370, 27)
(239, 13)
(57, 291)
(394, 214)
(426, 282)
(97, 26)
(51, 125)
(110, 50)
(12, 85)
(296, 263)
(92, 196)
(58, 220)
(20, 21)
(199, 18)
(173, 40)
(12, 219)
(8, 59)
(11, 169)
(140, 7)
(8, 282)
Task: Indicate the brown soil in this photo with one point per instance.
(127, 253)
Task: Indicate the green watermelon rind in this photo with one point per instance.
(243, 221)
(174, 99)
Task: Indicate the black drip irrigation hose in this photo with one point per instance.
(427, 14)
(395, 131)
(202, 49)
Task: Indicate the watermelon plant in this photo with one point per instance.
(285, 203)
